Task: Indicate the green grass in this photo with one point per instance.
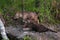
(27, 38)
(44, 9)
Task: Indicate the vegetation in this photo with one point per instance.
(27, 38)
(48, 9)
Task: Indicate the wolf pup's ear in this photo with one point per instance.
(16, 16)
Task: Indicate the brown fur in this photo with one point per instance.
(27, 17)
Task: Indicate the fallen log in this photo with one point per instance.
(38, 28)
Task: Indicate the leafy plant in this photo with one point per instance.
(27, 38)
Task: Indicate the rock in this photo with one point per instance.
(14, 32)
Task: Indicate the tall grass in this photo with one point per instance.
(46, 10)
